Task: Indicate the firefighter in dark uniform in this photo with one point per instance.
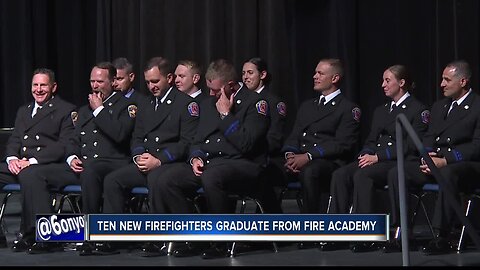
(124, 81)
(226, 157)
(324, 136)
(163, 132)
(256, 77)
(453, 143)
(42, 131)
(379, 153)
(103, 132)
(187, 76)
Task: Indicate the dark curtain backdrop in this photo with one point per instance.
(291, 35)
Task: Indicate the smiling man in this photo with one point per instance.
(42, 130)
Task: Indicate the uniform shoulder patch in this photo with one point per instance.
(262, 107)
(193, 109)
(74, 116)
(425, 116)
(356, 113)
(282, 109)
(132, 111)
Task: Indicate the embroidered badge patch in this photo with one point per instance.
(262, 107)
(356, 113)
(132, 111)
(425, 116)
(193, 109)
(74, 116)
(282, 109)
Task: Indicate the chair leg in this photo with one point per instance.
(430, 226)
(462, 234)
(2, 211)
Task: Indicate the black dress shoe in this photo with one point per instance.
(331, 246)
(153, 250)
(363, 247)
(86, 249)
(438, 246)
(216, 251)
(42, 248)
(21, 245)
(106, 249)
(306, 245)
(188, 249)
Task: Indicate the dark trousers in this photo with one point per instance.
(460, 176)
(315, 178)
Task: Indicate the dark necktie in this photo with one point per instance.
(454, 105)
(321, 103)
(157, 102)
(393, 107)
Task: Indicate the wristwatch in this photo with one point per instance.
(310, 157)
(224, 114)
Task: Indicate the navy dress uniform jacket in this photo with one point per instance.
(167, 132)
(278, 119)
(456, 137)
(328, 132)
(106, 136)
(45, 136)
(382, 137)
(240, 135)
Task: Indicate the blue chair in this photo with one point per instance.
(72, 195)
(9, 190)
(295, 187)
(139, 199)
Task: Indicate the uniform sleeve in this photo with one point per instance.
(245, 134)
(14, 142)
(137, 143)
(276, 131)
(371, 141)
(292, 143)
(467, 151)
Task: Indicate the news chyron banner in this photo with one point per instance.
(204, 227)
(238, 227)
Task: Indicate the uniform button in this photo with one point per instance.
(389, 136)
(314, 144)
(84, 157)
(207, 141)
(437, 139)
(303, 145)
(207, 154)
(158, 150)
(145, 140)
(449, 149)
(95, 156)
(38, 148)
(218, 140)
(304, 134)
(84, 145)
(389, 144)
(95, 143)
(208, 161)
(315, 134)
(378, 145)
(438, 149)
(37, 137)
(448, 139)
(25, 137)
(82, 133)
(95, 131)
(157, 139)
(24, 149)
(220, 152)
